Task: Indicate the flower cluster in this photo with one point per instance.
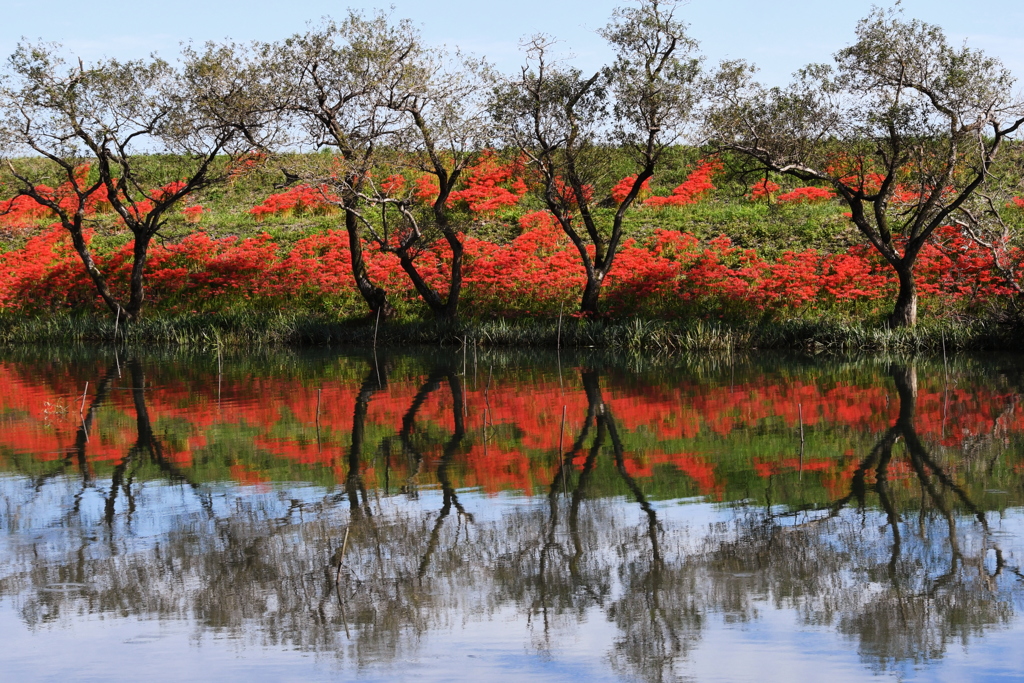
(670, 274)
(763, 189)
(245, 164)
(393, 184)
(697, 184)
(567, 196)
(193, 214)
(24, 212)
(297, 201)
(622, 188)
(856, 172)
(805, 195)
(487, 186)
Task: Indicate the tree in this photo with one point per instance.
(442, 132)
(371, 91)
(568, 125)
(333, 80)
(904, 127)
(138, 136)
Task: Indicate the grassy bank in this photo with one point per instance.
(258, 244)
(253, 330)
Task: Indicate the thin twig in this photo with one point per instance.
(945, 365)
(344, 545)
(220, 371)
(81, 408)
(81, 413)
(561, 453)
(800, 414)
(337, 581)
(558, 345)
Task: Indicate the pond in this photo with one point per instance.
(459, 514)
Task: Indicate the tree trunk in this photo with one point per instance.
(354, 485)
(140, 252)
(592, 295)
(905, 377)
(904, 313)
(443, 309)
(374, 296)
(446, 309)
(423, 288)
(78, 240)
(451, 311)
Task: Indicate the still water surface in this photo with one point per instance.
(458, 516)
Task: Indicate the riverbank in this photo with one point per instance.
(253, 329)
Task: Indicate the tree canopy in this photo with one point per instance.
(903, 125)
(565, 122)
(72, 136)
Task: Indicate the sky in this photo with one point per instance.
(779, 37)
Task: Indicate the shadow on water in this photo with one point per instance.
(390, 535)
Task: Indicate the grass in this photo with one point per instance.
(771, 229)
(253, 330)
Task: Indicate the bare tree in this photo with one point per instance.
(904, 127)
(443, 130)
(56, 119)
(567, 124)
(334, 80)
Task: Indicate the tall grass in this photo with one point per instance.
(252, 329)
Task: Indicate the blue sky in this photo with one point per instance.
(778, 36)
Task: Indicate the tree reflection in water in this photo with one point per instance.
(937, 583)
(905, 579)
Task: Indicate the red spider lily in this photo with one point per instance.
(697, 184)
(805, 195)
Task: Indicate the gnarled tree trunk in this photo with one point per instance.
(592, 295)
(374, 296)
(904, 313)
(137, 292)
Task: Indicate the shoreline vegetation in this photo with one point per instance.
(241, 330)
(730, 269)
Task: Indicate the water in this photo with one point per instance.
(326, 516)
